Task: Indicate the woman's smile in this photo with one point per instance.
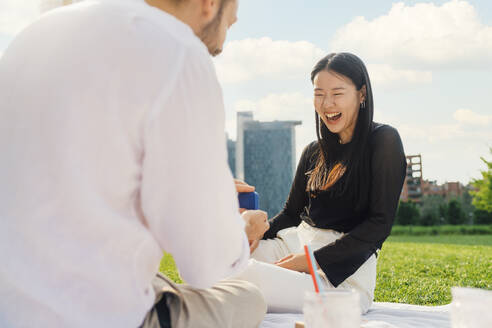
(333, 117)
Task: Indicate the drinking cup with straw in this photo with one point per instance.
(331, 307)
(312, 268)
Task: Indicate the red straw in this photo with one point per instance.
(311, 270)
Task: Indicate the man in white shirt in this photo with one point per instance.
(111, 122)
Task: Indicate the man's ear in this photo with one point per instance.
(209, 9)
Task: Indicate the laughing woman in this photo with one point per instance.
(344, 195)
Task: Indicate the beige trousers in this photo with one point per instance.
(284, 289)
(229, 304)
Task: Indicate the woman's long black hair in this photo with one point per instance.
(350, 161)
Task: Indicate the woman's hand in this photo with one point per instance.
(295, 262)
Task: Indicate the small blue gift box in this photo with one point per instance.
(249, 200)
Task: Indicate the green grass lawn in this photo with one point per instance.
(168, 267)
(485, 240)
(484, 229)
(421, 269)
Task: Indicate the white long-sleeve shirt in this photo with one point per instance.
(112, 150)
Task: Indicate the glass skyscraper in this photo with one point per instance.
(231, 152)
(268, 159)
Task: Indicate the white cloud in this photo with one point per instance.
(387, 76)
(17, 14)
(432, 133)
(456, 159)
(466, 116)
(467, 125)
(422, 35)
(264, 58)
(284, 106)
(451, 150)
(250, 59)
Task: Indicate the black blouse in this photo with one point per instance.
(365, 229)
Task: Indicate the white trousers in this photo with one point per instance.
(284, 289)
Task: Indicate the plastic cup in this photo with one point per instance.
(471, 308)
(332, 308)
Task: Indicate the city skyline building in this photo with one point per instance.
(265, 158)
(231, 155)
(242, 117)
(416, 187)
(412, 187)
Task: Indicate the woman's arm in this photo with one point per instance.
(297, 199)
(388, 168)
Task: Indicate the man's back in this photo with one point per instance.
(92, 132)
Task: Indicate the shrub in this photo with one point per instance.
(482, 217)
(482, 196)
(455, 212)
(443, 213)
(430, 214)
(399, 230)
(407, 213)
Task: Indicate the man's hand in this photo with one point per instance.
(253, 246)
(295, 262)
(242, 186)
(256, 224)
(256, 221)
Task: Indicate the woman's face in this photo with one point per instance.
(337, 102)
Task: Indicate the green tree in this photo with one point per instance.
(482, 217)
(429, 210)
(482, 197)
(443, 213)
(467, 206)
(407, 213)
(455, 212)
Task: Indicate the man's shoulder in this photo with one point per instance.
(164, 26)
(134, 22)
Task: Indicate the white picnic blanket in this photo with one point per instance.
(381, 315)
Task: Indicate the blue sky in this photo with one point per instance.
(430, 63)
(316, 20)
